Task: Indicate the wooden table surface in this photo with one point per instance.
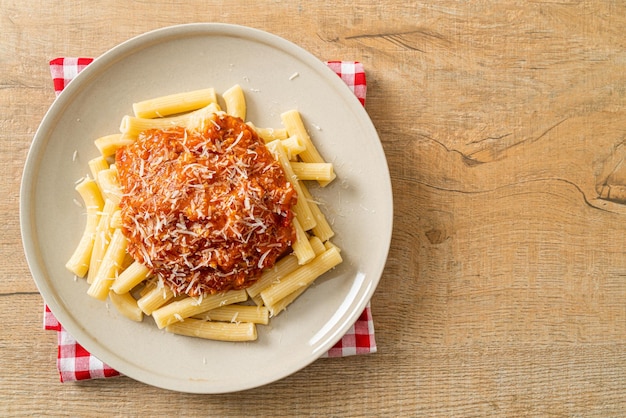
(504, 127)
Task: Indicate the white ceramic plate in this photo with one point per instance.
(181, 58)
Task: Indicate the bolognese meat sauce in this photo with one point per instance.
(206, 210)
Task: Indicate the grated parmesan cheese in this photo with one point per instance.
(207, 209)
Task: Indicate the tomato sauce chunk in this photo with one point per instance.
(206, 210)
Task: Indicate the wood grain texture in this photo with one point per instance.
(504, 127)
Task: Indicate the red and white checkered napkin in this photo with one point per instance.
(76, 363)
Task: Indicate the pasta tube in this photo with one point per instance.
(116, 219)
(282, 304)
(79, 261)
(301, 247)
(322, 228)
(107, 145)
(222, 331)
(237, 313)
(130, 277)
(257, 300)
(301, 209)
(301, 277)
(284, 266)
(102, 238)
(126, 304)
(156, 297)
(293, 146)
(131, 126)
(107, 179)
(174, 103)
(96, 165)
(235, 102)
(181, 309)
(110, 266)
(292, 121)
(313, 171)
(317, 245)
(270, 134)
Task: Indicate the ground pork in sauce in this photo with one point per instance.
(207, 210)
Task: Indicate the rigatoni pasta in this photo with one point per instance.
(110, 266)
(174, 103)
(223, 331)
(107, 145)
(126, 304)
(237, 313)
(92, 198)
(302, 209)
(107, 252)
(235, 102)
(154, 298)
(301, 277)
(102, 238)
